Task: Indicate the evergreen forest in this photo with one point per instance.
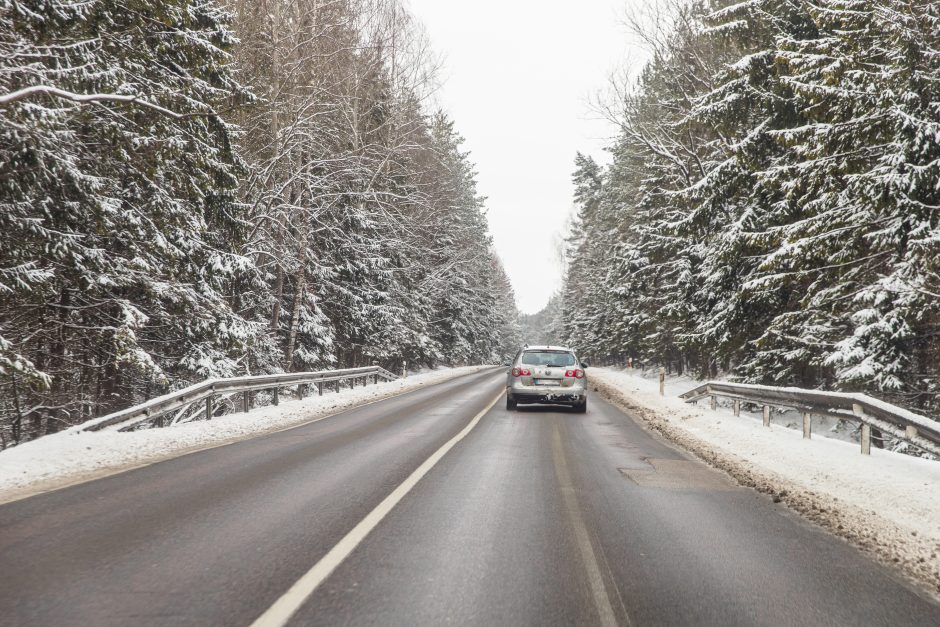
(211, 188)
(772, 208)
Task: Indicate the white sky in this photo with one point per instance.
(517, 80)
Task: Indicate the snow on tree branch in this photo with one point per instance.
(33, 90)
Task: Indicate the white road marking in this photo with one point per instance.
(605, 610)
(286, 606)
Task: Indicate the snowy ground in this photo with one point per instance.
(67, 458)
(887, 503)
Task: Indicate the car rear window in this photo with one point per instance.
(548, 358)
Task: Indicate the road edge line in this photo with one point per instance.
(287, 605)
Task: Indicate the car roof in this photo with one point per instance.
(548, 348)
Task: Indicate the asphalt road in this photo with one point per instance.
(535, 517)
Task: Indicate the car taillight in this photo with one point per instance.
(521, 372)
(577, 373)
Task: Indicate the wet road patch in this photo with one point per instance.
(678, 474)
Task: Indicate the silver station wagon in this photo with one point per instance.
(547, 374)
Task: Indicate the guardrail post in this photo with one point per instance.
(320, 388)
(246, 401)
(301, 391)
(807, 425)
(662, 382)
(159, 418)
(859, 411)
(737, 407)
(713, 402)
(766, 415)
(274, 398)
(209, 408)
(404, 369)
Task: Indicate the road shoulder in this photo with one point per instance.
(915, 556)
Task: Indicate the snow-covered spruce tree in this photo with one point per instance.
(653, 252)
(737, 199)
(117, 217)
(864, 244)
(463, 283)
(358, 300)
(586, 297)
(506, 315)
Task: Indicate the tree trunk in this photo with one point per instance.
(17, 426)
(278, 295)
(299, 290)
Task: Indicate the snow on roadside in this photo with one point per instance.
(73, 457)
(887, 503)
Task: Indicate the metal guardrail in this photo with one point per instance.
(916, 430)
(209, 390)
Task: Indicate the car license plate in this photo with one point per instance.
(545, 382)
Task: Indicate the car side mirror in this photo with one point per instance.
(585, 365)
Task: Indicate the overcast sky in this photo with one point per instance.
(517, 79)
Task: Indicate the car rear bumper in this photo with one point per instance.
(560, 395)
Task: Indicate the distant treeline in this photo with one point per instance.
(773, 205)
(193, 188)
(545, 326)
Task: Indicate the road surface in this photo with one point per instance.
(534, 517)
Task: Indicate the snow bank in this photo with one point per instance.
(887, 503)
(67, 458)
